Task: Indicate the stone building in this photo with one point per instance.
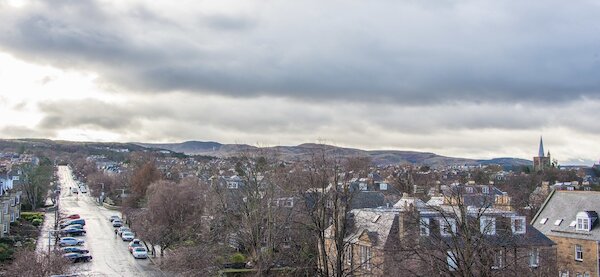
(542, 162)
(570, 219)
(413, 238)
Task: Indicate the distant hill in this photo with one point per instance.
(304, 151)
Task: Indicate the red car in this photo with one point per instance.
(73, 216)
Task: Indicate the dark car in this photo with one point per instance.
(73, 231)
(77, 257)
(75, 250)
(71, 222)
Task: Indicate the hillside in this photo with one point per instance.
(304, 151)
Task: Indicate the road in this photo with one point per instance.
(110, 255)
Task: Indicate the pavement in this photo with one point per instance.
(110, 254)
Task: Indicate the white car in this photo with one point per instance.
(139, 253)
(69, 241)
(83, 189)
(127, 236)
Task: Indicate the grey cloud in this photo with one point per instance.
(411, 53)
(86, 113)
(14, 131)
(462, 129)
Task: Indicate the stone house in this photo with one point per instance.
(413, 238)
(570, 219)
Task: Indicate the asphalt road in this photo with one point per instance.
(110, 255)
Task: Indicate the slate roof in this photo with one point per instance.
(377, 222)
(367, 199)
(565, 205)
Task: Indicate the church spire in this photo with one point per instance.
(541, 153)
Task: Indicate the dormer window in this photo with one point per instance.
(583, 224)
(485, 189)
(585, 220)
(469, 189)
(487, 225)
(518, 224)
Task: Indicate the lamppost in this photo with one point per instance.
(50, 232)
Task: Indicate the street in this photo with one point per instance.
(110, 254)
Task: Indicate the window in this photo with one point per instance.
(583, 224)
(12, 216)
(6, 208)
(348, 255)
(578, 274)
(543, 221)
(289, 202)
(564, 274)
(365, 257)
(5, 229)
(424, 229)
(485, 189)
(469, 189)
(518, 225)
(558, 222)
(498, 259)
(534, 257)
(447, 226)
(383, 186)
(578, 253)
(487, 225)
(586, 274)
(362, 186)
(451, 258)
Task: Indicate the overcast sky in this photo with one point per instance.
(475, 79)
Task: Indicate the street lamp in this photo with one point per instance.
(50, 237)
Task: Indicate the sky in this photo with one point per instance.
(475, 79)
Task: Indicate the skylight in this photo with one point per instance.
(558, 222)
(543, 221)
(376, 218)
(573, 223)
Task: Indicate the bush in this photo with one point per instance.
(30, 216)
(6, 252)
(238, 258)
(37, 222)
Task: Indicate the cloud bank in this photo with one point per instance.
(463, 78)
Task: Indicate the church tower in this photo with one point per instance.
(542, 162)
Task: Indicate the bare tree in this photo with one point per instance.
(327, 197)
(173, 214)
(29, 263)
(459, 239)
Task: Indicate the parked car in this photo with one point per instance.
(71, 249)
(77, 257)
(69, 241)
(74, 190)
(114, 217)
(123, 229)
(80, 221)
(72, 231)
(117, 223)
(133, 244)
(127, 236)
(83, 189)
(76, 226)
(139, 253)
(73, 216)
